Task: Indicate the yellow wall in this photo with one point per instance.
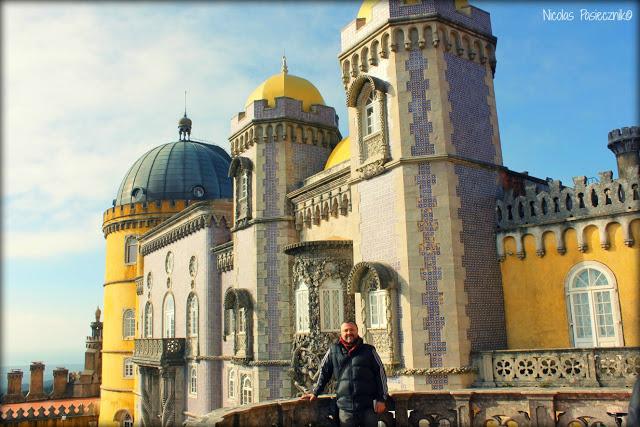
(117, 392)
(534, 287)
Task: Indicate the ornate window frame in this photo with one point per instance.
(373, 147)
(614, 300)
(241, 170)
(238, 304)
(231, 384)
(366, 278)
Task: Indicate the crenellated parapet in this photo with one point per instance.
(605, 197)
(625, 144)
(561, 208)
(433, 25)
(286, 121)
(140, 215)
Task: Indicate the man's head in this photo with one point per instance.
(349, 331)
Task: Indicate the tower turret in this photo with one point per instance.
(625, 144)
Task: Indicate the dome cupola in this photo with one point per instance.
(285, 84)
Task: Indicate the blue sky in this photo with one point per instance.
(90, 87)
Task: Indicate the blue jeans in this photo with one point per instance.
(364, 418)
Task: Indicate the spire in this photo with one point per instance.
(184, 124)
(285, 70)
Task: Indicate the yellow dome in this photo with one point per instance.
(340, 153)
(284, 84)
(366, 10)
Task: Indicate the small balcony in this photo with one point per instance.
(159, 352)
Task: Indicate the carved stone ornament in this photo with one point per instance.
(309, 348)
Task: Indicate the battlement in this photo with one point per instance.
(143, 208)
(624, 134)
(285, 108)
(606, 197)
(395, 11)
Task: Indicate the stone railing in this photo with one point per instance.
(224, 260)
(589, 367)
(464, 408)
(159, 352)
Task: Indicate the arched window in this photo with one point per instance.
(302, 308)
(128, 368)
(148, 320)
(192, 316)
(127, 421)
(594, 308)
(378, 309)
(169, 325)
(193, 380)
(370, 124)
(247, 391)
(231, 384)
(331, 304)
(128, 324)
(130, 250)
(242, 320)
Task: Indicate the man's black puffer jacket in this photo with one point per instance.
(360, 377)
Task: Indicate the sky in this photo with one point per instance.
(87, 88)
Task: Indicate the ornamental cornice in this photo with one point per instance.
(132, 223)
(315, 245)
(179, 232)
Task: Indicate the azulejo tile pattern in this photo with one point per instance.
(431, 272)
(477, 191)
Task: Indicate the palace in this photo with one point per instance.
(227, 276)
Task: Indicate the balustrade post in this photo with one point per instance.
(542, 409)
(402, 409)
(592, 373)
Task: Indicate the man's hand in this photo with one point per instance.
(308, 396)
(380, 407)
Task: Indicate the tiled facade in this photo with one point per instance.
(417, 224)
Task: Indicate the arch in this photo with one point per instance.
(231, 384)
(413, 39)
(384, 45)
(382, 276)
(364, 56)
(356, 87)
(398, 39)
(237, 298)
(355, 64)
(374, 54)
(302, 307)
(239, 164)
(246, 396)
(123, 418)
(193, 380)
(331, 299)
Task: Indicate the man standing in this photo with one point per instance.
(361, 383)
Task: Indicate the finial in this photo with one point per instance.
(185, 103)
(285, 70)
(98, 312)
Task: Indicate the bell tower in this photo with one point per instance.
(418, 76)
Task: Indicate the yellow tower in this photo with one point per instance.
(158, 185)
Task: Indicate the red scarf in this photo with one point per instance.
(351, 346)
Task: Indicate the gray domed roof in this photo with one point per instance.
(181, 170)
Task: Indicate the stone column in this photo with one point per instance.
(36, 386)
(60, 379)
(168, 396)
(14, 387)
